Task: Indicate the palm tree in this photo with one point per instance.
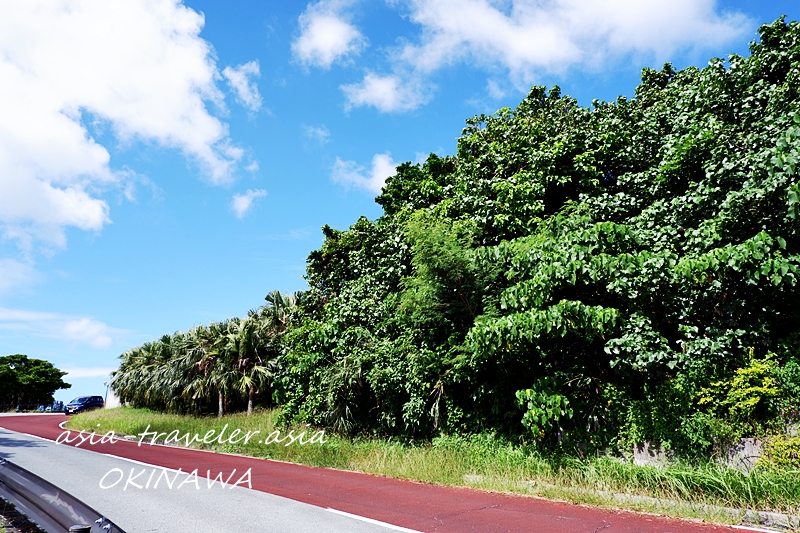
(279, 309)
(218, 364)
(246, 346)
(185, 370)
(268, 323)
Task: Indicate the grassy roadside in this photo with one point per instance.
(689, 491)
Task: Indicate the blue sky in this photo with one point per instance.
(167, 164)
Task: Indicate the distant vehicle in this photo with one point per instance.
(84, 403)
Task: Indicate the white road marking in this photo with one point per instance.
(37, 437)
(375, 522)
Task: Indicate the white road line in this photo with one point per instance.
(375, 522)
(749, 528)
(37, 437)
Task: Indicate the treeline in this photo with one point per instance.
(27, 382)
(585, 276)
(225, 366)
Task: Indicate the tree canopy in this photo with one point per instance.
(28, 382)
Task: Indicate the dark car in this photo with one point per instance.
(84, 403)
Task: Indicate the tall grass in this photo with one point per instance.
(488, 462)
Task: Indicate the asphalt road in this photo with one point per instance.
(161, 508)
(286, 497)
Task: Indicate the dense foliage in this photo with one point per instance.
(603, 275)
(28, 382)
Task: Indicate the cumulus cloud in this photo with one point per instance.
(239, 80)
(387, 93)
(528, 37)
(326, 35)
(351, 174)
(82, 330)
(242, 203)
(320, 133)
(138, 67)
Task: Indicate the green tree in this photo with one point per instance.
(25, 381)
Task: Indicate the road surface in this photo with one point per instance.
(286, 497)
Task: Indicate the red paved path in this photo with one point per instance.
(426, 508)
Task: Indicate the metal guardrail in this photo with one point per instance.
(49, 507)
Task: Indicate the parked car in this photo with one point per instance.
(84, 403)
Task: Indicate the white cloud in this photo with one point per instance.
(252, 167)
(88, 331)
(326, 35)
(87, 372)
(242, 203)
(134, 181)
(81, 330)
(528, 37)
(15, 274)
(387, 93)
(494, 90)
(239, 80)
(138, 67)
(320, 133)
(350, 173)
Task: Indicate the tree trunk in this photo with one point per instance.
(250, 397)
(221, 410)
